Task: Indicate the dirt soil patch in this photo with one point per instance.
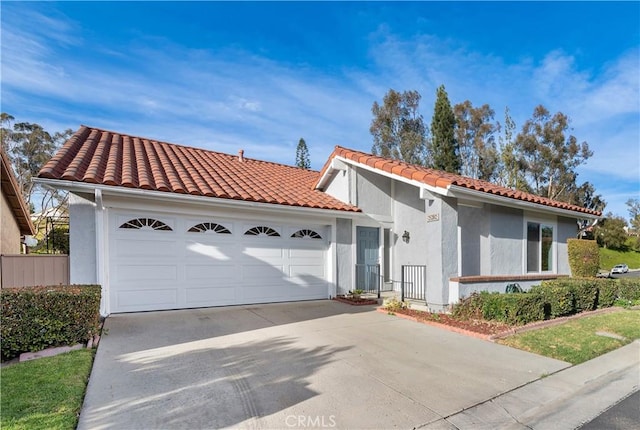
(477, 328)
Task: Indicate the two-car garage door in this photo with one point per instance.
(171, 262)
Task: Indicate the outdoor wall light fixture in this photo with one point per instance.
(406, 236)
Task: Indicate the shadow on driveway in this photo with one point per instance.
(292, 365)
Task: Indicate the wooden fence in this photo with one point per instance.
(31, 270)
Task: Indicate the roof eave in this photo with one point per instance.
(422, 185)
(481, 196)
(18, 205)
(152, 194)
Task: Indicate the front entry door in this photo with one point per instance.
(368, 258)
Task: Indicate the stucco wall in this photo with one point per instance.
(408, 216)
(82, 239)
(373, 193)
(506, 237)
(474, 233)
(567, 229)
(344, 256)
(339, 186)
(10, 231)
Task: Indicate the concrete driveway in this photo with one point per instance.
(319, 364)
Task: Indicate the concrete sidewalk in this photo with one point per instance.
(564, 400)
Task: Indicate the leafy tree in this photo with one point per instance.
(29, 146)
(610, 232)
(509, 172)
(548, 157)
(634, 213)
(302, 155)
(397, 127)
(474, 133)
(444, 147)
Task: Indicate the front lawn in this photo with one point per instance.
(46, 393)
(576, 341)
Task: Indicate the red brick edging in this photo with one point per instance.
(493, 337)
(352, 303)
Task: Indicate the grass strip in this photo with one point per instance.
(46, 393)
(576, 341)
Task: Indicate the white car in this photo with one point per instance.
(620, 268)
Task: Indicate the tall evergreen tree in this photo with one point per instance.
(444, 148)
(397, 127)
(302, 155)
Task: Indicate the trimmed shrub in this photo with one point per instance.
(629, 288)
(34, 318)
(584, 291)
(584, 257)
(559, 299)
(510, 308)
(607, 292)
(469, 307)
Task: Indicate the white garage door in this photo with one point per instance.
(173, 262)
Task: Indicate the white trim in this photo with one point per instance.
(550, 222)
(332, 263)
(214, 201)
(437, 190)
(101, 268)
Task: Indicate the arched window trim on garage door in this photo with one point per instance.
(140, 223)
(261, 230)
(209, 226)
(306, 233)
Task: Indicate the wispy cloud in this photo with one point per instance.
(230, 99)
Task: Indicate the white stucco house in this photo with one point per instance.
(165, 226)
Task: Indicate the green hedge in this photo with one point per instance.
(34, 318)
(584, 257)
(552, 299)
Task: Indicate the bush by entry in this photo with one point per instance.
(34, 318)
(552, 299)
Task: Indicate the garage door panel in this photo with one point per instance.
(145, 248)
(214, 272)
(148, 299)
(307, 270)
(314, 290)
(268, 292)
(262, 272)
(138, 272)
(210, 251)
(312, 253)
(224, 294)
(264, 252)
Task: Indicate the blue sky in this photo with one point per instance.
(258, 76)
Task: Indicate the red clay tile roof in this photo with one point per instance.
(103, 157)
(11, 191)
(442, 179)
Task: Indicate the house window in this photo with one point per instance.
(261, 230)
(209, 226)
(539, 247)
(146, 224)
(306, 234)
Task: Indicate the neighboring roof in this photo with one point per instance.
(11, 190)
(443, 180)
(96, 156)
